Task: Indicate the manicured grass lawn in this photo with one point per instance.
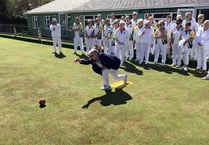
(163, 106)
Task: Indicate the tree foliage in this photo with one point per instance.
(14, 9)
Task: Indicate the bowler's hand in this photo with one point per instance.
(77, 60)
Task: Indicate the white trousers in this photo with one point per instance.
(96, 42)
(130, 49)
(160, 48)
(144, 52)
(78, 40)
(137, 45)
(201, 58)
(89, 44)
(176, 54)
(57, 42)
(111, 50)
(152, 49)
(120, 52)
(185, 54)
(114, 73)
(193, 50)
(107, 45)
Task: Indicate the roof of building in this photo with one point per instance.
(60, 6)
(105, 5)
(57, 6)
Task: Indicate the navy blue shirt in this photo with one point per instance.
(108, 61)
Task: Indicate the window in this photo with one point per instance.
(161, 16)
(69, 21)
(47, 22)
(35, 22)
(203, 11)
(118, 16)
(174, 16)
(89, 17)
(183, 11)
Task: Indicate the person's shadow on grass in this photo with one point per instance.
(82, 56)
(131, 68)
(118, 97)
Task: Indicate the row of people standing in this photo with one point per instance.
(121, 37)
(144, 35)
(186, 38)
(112, 35)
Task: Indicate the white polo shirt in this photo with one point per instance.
(89, 30)
(203, 37)
(55, 31)
(147, 37)
(123, 36)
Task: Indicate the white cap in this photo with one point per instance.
(54, 19)
(93, 50)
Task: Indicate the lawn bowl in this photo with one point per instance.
(42, 103)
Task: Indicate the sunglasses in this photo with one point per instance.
(178, 23)
(91, 55)
(200, 18)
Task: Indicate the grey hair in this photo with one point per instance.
(188, 13)
(206, 22)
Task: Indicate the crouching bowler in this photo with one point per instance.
(104, 64)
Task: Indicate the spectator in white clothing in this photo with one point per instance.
(78, 37)
(174, 42)
(193, 27)
(186, 44)
(88, 34)
(160, 42)
(121, 37)
(137, 37)
(129, 28)
(147, 40)
(107, 36)
(56, 37)
(134, 18)
(203, 47)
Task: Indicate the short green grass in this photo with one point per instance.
(163, 106)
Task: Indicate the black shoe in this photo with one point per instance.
(62, 55)
(56, 54)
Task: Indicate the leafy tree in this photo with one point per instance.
(11, 10)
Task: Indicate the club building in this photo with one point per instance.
(66, 10)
